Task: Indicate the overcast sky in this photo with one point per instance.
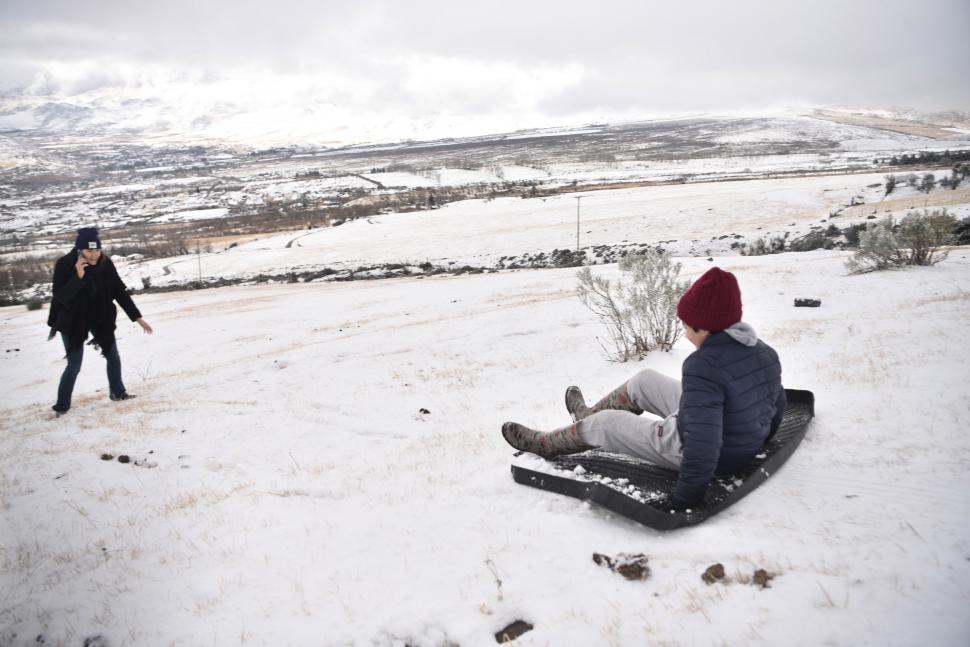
(562, 60)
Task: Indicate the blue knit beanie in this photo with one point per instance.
(87, 238)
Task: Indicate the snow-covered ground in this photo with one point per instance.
(195, 214)
(286, 489)
(691, 219)
(99, 178)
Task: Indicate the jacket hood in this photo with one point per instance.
(742, 333)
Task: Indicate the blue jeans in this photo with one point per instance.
(69, 376)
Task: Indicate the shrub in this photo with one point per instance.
(878, 249)
(961, 233)
(641, 315)
(924, 233)
(815, 239)
(35, 304)
(28, 272)
(951, 181)
(568, 258)
(851, 234)
(915, 240)
(890, 183)
(763, 246)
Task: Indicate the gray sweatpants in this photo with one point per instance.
(650, 437)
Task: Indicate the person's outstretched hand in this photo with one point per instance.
(144, 326)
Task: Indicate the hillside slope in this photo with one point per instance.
(286, 487)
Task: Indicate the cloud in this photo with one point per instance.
(427, 59)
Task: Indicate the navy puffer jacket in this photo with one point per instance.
(732, 401)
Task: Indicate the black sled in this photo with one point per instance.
(637, 489)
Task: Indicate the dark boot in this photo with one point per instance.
(546, 444)
(618, 399)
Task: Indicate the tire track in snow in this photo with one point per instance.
(290, 242)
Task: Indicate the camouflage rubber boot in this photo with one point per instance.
(618, 399)
(546, 444)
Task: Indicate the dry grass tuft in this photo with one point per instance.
(959, 295)
(187, 500)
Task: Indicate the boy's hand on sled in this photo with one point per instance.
(673, 505)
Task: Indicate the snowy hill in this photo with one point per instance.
(691, 220)
(285, 487)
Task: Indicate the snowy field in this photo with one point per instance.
(690, 219)
(286, 489)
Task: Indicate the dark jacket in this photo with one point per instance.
(732, 401)
(82, 305)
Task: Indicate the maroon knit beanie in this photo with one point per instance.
(712, 303)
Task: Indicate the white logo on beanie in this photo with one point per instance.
(92, 244)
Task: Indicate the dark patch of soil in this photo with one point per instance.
(124, 458)
(106, 457)
(512, 632)
(631, 566)
(762, 578)
(714, 573)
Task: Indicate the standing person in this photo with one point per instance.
(728, 404)
(85, 284)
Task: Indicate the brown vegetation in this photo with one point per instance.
(905, 126)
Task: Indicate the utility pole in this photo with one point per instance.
(578, 198)
(198, 256)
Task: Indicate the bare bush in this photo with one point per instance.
(764, 246)
(890, 183)
(923, 234)
(815, 239)
(641, 315)
(914, 240)
(878, 249)
(852, 233)
(23, 273)
(961, 233)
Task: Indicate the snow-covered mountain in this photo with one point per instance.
(222, 112)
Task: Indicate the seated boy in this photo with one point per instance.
(714, 421)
